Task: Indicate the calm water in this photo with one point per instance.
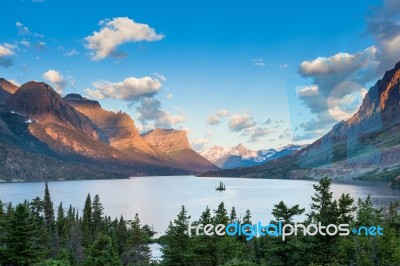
(159, 199)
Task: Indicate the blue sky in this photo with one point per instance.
(263, 73)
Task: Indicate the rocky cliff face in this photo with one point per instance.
(167, 140)
(117, 129)
(175, 145)
(41, 103)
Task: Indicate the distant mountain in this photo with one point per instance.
(175, 145)
(366, 146)
(44, 136)
(240, 156)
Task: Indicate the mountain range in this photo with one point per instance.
(366, 146)
(240, 156)
(44, 136)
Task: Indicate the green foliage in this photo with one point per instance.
(19, 237)
(102, 252)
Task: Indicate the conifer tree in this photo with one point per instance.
(48, 208)
(20, 236)
(97, 215)
(87, 222)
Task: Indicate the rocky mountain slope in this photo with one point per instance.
(39, 127)
(366, 146)
(6, 89)
(175, 145)
(240, 156)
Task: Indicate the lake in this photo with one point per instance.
(159, 199)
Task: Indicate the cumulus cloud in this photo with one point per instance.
(215, 119)
(149, 110)
(71, 53)
(56, 78)
(24, 30)
(6, 53)
(339, 63)
(257, 133)
(129, 89)
(238, 123)
(115, 32)
(258, 62)
(141, 94)
(308, 90)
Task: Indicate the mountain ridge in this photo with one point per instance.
(79, 136)
(366, 146)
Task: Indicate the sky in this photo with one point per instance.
(262, 73)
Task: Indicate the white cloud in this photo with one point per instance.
(222, 113)
(115, 32)
(73, 52)
(149, 110)
(258, 62)
(213, 120)
(6, 53)
(169, 96)
(309, 90)
(56, 78)
(283, 66)
(129, 89)
(23, 30)
(257, 133)
(6, 50)
(339, 63)
(241, 122)
(41, 45)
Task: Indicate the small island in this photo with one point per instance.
(221, 187)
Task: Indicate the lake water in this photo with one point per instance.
(159, 199)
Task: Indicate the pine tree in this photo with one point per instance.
(221, 215)
(97, 215)
(139, 251)
(233, 215)
(177, 249)
(281, 212)
(48, 209)
(61, 225)
(87, 222)
(102, 252)
(20, 237)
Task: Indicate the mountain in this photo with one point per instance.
(6, 89)
(44, 136)
(240, 156)
(117, 129)
(175, 145)
(366, 146)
